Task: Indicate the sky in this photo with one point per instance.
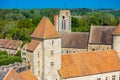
(30, 4)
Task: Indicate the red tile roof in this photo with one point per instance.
(12, 75)
(9, 44)
(117, 30)
(25, 75)
(45, 29)
(88, 63)
(28, 75)
(32, 45)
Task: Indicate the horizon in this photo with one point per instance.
(63, 4)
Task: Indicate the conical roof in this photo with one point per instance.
(45, 30)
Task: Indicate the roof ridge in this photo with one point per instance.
(44, 27)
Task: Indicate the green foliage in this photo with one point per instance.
(19, 23)
(25, 23)
(10, 60)
(3, 52)
(18, 53)
(5, 59)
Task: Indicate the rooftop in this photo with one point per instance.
(101, 34)
(45, 30)
(32, 45)
(25, 75)
(75, 40)
(9, 44)
(117, 30)
(89, 63)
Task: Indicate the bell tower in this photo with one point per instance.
(64, 23)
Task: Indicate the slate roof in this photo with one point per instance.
(75, 40)
(89, 63)
(101, 34)
(45, 30)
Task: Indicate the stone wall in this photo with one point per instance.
(97, 47)
(52, 58)
(64, 20)
(116, 44)
(72, 50)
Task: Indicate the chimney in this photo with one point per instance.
(56, 22)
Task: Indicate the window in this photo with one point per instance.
(52, 42)
(64, 25)
(106, 78)
(98, 78)
(38, 54)
(93, 49)
(24, 59)
(52, 53)
(38, 73)
(38, 63)
(52, 64)
(23, 53)
(63, 17)
(113, 77)
(119, 77)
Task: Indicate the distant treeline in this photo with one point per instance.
(20, 23)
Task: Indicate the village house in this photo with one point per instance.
(11, 46)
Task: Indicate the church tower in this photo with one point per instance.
(116, 39)
(64, 22)
(46, 51)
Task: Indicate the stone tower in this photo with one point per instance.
(64, 21)
(46, 51)
(116, 39)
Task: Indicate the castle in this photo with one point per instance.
(48, 60)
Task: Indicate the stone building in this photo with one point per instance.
(73, 42)
(100, 38)
(64, 21)
(11, 46)
(100, 65)
(116, 39)
(43, 53)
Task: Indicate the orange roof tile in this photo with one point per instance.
(117, 30)
(12, 75)
(45, 29)
(88, 63)
(32, 45)
(28, 75)
(9, 44)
